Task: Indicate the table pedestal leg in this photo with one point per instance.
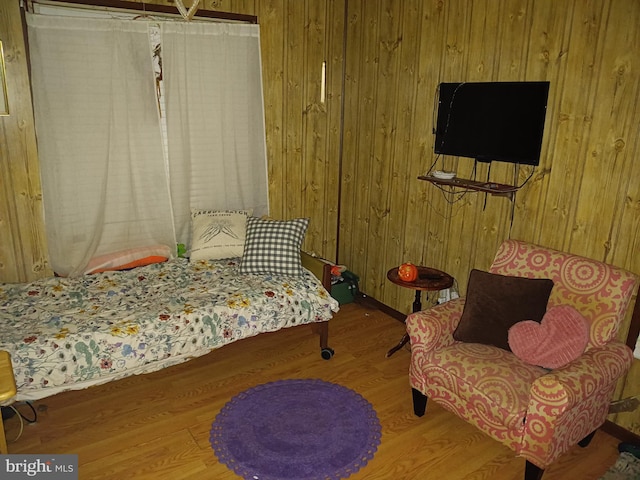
(417, 306)
(417, 303)
(402, 343)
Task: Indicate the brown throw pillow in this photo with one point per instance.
(496, 302)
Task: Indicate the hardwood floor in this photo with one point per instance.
(156, 426)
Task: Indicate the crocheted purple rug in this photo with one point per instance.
(296, 430)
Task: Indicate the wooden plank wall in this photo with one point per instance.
(23, 249)
(357, 178)
(584, 196)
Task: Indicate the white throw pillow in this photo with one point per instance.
(217, 234)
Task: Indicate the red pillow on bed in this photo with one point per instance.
(130, 258)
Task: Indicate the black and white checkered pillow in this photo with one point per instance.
(273, 246)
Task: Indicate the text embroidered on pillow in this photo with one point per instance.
(217, 234)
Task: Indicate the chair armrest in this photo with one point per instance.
(433, 328)
(596, 369)
(569, 403)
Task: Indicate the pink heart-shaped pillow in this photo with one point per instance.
(558, 339)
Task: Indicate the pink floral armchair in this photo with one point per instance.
(537, 412)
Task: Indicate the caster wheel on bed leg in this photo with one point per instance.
(327, 353)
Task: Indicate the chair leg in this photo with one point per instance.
(587, 440)
(419, 402)
(532, 472)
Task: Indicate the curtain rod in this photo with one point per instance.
(150, 8)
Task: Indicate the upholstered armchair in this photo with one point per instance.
(537, 411)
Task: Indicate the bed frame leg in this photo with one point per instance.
(322, 329)
(322, 270)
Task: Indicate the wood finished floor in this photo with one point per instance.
(156, 426)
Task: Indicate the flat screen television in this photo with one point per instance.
(501, 121)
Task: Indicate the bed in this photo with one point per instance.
(72, 333)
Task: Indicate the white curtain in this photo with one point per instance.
(107, 183)
(215, 119)
(104, 178)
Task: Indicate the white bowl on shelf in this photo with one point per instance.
(442, 175)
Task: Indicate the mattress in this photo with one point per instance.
(71, 333)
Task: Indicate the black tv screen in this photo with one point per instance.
(501, 121)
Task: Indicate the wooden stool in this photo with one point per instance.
(7, 390)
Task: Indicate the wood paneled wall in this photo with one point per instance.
(356, 177)
(23, 248)
(583, 198)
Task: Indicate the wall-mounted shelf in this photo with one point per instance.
(493, 188)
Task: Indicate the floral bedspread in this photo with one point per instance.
(66, 334)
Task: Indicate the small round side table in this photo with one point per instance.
(429, 280)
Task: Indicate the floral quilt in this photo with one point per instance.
(69, 333)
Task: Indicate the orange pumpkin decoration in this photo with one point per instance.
(408, 272)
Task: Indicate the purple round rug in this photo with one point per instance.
(296, 430)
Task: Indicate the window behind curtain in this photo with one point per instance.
(106, 182)
(99, 143)
(215, 119)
